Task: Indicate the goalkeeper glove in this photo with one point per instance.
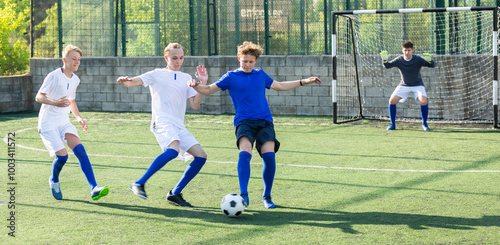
(427, 57)
(384, 55)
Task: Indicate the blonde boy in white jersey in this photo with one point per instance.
(169, 93)
(57, 95)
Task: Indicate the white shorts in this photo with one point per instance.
(404, 92)
(54, 139)
(167, 133)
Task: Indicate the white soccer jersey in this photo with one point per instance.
(169, 92)
(56, 85)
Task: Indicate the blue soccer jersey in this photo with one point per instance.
(248, 93)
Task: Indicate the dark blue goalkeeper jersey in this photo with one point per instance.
(409, 70)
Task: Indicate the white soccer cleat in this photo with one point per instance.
(56, 189)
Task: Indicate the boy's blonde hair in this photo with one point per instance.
(70, 48)
(171, 46)
(250, 49)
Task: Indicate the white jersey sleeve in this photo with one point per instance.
(149, 77)
(47, 84)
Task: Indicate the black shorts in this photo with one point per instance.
(259, 131)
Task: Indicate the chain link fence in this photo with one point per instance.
(203, 27)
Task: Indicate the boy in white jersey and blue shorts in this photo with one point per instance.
(253, 121)
(169, 92)
(409, 66)
(57, 95)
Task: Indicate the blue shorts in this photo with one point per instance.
(259, 131)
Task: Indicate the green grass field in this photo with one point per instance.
(335, 184)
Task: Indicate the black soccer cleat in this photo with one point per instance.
(177, 199)
(138, 190)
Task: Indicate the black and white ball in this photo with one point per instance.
(232, 205)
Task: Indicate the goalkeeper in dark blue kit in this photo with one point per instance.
(409, 66)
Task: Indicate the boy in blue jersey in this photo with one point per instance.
(409, 66)
(57, 96)
(253, 121)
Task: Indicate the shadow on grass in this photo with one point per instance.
(4, 117)
(346, 221)
(282, 215)
(409, 185)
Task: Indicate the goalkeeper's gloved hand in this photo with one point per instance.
(427, 57)
(384, 55)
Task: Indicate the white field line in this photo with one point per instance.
(189, 121)
(218, 122)
(5, 139)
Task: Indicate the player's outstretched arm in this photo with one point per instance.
(289, 85)
(128, 82)
(203, 88)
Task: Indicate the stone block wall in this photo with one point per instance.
(99, 91)
(16, 93)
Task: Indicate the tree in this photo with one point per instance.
(14, 51)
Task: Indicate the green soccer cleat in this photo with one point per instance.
(98, 192)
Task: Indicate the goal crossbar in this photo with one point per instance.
(413, 10)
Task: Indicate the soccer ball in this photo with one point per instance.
(232, 205)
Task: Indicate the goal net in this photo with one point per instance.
(463, 42)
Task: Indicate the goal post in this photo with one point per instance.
(463, 41)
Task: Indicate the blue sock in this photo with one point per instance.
(392, 114)
(268, 172)
(157, 164)
(85, 165)
(57, 166)
(244, 170)
(191, 171)
(424, 111)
